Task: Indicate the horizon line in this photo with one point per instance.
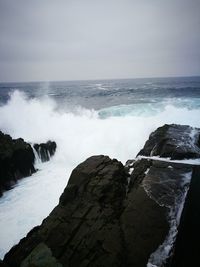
(102, 79)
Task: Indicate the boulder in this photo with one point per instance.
(45, 150)
(173, 141)
(2, 264)
(186, 250)
(16, 161)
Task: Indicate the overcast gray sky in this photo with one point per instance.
(90, 39)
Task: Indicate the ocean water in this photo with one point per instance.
(85, 118)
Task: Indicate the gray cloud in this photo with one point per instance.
(90, 39)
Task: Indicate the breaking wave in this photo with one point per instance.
(118, 131)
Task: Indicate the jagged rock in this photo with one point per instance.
(16, 161)
(2, 264)
(45, 150)
(41, 256)
(186, 251)
(104, 220)
(173, 141)
(123, 216)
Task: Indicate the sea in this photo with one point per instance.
(84, 118)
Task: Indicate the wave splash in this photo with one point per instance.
(79, 133)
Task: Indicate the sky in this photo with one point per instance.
(44, 40)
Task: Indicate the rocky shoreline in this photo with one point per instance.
(124, 216)
(17, 159)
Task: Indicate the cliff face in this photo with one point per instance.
(186, 250)
(113, 215)
(17, 159)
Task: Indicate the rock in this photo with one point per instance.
(41, 256)
(16, 161)
(186, 251)
(123, 216)
(45, 150)
(166, 184)
(2, 264)
(173, 141)
(102, 220)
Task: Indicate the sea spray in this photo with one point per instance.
(79, 133)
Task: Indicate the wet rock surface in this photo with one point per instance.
(2, 264)
(173, 141)
(101, 222)
(186, 251)
(16, 161)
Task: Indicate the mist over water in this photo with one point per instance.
(108, 121)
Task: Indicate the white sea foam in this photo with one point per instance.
(78, 135)
(186, 161)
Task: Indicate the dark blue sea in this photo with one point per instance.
(99, 94)
(110, 117)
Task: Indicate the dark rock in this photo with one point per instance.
(16, 161)
(45, 150)
(123, 216)
(69, 194)
(2, 264)
(41, 256)
(165, 183)
(173, 141)
(98, 222)
(186, 252)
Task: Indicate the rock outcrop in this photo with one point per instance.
(186, 251)
(16, 161)
(106, 218)
(45, 150)
(120, 216)
(173, 141)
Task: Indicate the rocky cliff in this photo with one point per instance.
(173, 141)
(115, 215)
(17, 159)
(186, 250)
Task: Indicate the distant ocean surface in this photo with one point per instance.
(85, 118)
(128, 95)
